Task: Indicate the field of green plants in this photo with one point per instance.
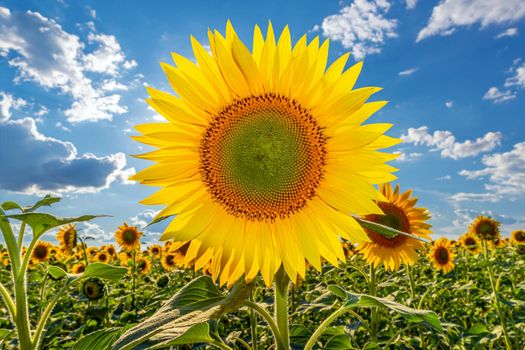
(88, 297)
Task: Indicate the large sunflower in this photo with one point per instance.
(67, 237)
(485, 228)
(470, 242)
(441, 255)
(401, 214)
(264, 158)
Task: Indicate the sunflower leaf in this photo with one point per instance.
(183, 317)
(46, 201)
(101, 339)
(385, 230)
(41, 222)
(104, 271)
(10, 205)
(56, 272)
(352, 300)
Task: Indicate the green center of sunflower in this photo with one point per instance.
(441, 255)
(129, 236)
(93, 288)
(263, 157)
(486, 228)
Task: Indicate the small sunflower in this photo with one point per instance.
(78, 268)
(128, 237)
(441, 255)
(485, 228)
(41, 251)
(102, 257)
(517, 237)
(4, 258)
(470, 242)
(67, 236)
(401, 214)
(143, 265)
(91, 252)
(264, 157)
(110, 249)
(155, 251)
(93, 288)
(125, 257)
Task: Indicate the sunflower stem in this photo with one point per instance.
(253, 322)
(410, 273)
(373, 310)
(21, 235)
(266, 316)
(281, 308)
(322, 327)
(133, 285)
(501, 316)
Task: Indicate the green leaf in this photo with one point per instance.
(385, 230)
(477, 329)
(56, 272)
(194, 304)
(412, 315)
(11, 205)
(198, 333)
(338, 342)
(100, 340)
(105, 271)
(46, 201)
(41, 222)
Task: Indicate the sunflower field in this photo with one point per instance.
(283, 228)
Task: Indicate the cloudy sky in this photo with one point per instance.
(72, 82)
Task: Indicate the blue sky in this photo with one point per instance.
(72, 82)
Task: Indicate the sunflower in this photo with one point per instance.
(102, 257)
(110, 249)
(143, 265)
(470, 242)
(4, 258)
(401, 214)
(517, 237)
(264, 157)
(124, 258)
(91, 252)
(155, 251)
(78, 268)
(93, 288)
(41, 251)
(441, 255)
(67, 237)
(128, 237)
(485, 228)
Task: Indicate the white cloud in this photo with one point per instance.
(518, 79)
(445, 142)
(142, 219)
(449, 104)
(408, 72)
(411, 4)
(509, 32)
(55, 59)
(98, 234)
(505, 173)
(361, 27)
(446, 177)
(497, 96)
(7, 103)
(450, 14)
(112, 85)
(475, 197)
(4, 12)
(407, 156)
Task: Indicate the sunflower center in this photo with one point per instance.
(470, 241)
(263, 157)
(170, 260)
(40, 252)
(441, 255)
(520, 236)
(486, 228)
(395, 218)
(129, 236)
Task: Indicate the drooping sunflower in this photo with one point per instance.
(67, 237)
(470, 242)
(128, 237)
(155, 251)
(485, 228)
(78, 268)
(93, 288)
(264, 158)
(517, 237)
(143, 265)
(441, 255)
(41, 251)
(401, 214)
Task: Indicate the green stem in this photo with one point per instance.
(21, 235)
(410, 273)
(373, 312)
(10, 241)
(253, 322)
(220, 345)
(134, 284)
(322, 327)
(8, 301)
(281, 308)
(495, 297)
(42, 294)
(267, 317)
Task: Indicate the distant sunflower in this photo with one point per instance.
(67, 237)
(102, 257)
(124, 258)
(485, 228)
(41, 251)
(155, 251)
(470, 242)
(264, 157)
(401, 214)
(91, 253)
(78, 268)
(128, 237)
(169, 261)
(143, 265)
(110, 249)
(517, 237)
(93, 288)
(4, 258)
(441, 255)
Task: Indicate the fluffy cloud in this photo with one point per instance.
(411, 4)
(518, 78)
(44, 53)
(407, 156)
(33, 163)
(497, 96)
(513, 83)
(408, 72)
(445, 142)
(464, 217)
(505, 173)
(7, 103)
(508, 32)
(361, 27)
(450, 14)
(142, 219)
